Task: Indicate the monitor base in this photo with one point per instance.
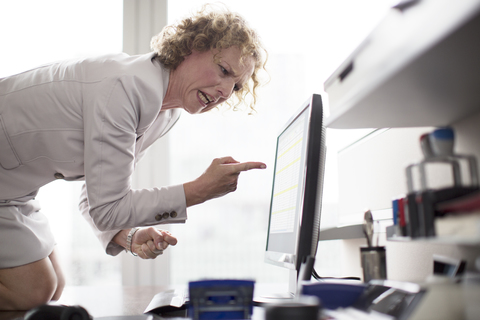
(273, 298)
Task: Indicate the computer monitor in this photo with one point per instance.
(296, 199)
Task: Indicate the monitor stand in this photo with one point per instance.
(295, 281)
(273, 298)
(269, 294)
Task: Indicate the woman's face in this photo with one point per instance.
(202, 82)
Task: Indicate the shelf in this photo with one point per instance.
(463, 241)
(472, 239)
(343, 233)
(418, 68)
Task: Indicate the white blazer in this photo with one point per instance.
(89, 119)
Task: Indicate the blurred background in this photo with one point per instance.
(306, 42)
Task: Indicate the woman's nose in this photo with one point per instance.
(226, 88)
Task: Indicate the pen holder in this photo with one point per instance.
(374, 263)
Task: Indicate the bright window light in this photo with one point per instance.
(33, 33)
(306, 41)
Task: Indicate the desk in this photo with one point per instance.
(103, 301)
(109, 301)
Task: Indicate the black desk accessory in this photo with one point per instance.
(396, 299)
(449, 267)
(305, 308)
(58, 312)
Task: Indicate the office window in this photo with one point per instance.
(36, 32)
(306, 41)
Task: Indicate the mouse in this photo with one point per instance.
(58, 312)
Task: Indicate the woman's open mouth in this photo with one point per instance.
(205, 98)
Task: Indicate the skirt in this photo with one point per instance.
(25, 234)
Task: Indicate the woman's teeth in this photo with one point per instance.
(203, 97)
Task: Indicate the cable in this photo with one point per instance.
(319, 278)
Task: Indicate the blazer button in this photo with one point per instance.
(165, 215)
(173, 214)
(58, 175)
(158, 217)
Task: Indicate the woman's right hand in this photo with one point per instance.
(148, 243)
(220, 178)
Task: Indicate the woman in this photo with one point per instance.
(93, 119)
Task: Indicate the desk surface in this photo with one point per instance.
(104, 301)
(111, 301)
(108, 301)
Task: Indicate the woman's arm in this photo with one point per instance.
(111, 150)
(115, 241)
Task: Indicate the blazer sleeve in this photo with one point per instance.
(105, 237)
(110, 122)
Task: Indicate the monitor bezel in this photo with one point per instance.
(308, 229)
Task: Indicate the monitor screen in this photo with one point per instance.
(295, 205)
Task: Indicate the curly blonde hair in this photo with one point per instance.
(212, 28)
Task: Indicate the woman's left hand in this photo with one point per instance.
(148, 243)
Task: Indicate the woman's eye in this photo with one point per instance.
(236, 88)
(224, 71)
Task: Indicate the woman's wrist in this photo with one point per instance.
(130, 235)
(121, 238)
(124, 238)
(192, 196)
